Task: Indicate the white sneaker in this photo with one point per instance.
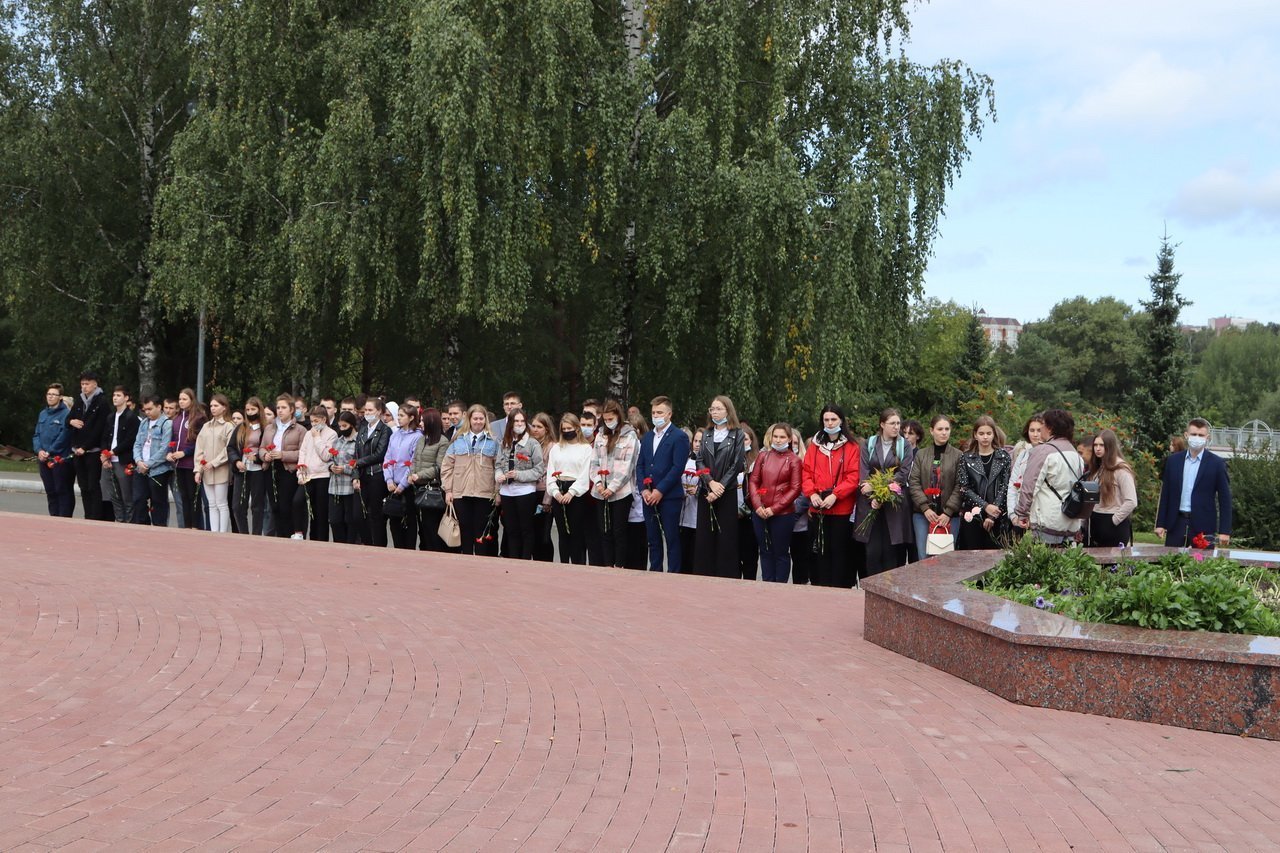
(297, 536)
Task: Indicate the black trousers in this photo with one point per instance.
(428, 527)
(637, 556)
(259, 487)
(158, 495)
(1105, 533)
(59, 487)
(238, 501)
(518, 525)
(831, 565)
(346, 518)
(882, 554)
(290, 506)
(186, 478)
(544, 550)
(593, 531)
(572, 525)
(688, 535)
(404, 530)
(479, 537)
(612, 519)
(318, 501)
(89, 475)
(373, 489)
(715, 545)
(748, 549)
(802, 554)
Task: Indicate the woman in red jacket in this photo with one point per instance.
(830, 479)
(772, 490)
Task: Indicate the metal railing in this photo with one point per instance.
(1254, 435)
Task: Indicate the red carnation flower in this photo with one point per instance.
(128, 470)
(648, 481)
(268, 448)
(556, 473)
(489, 538)
(523, 457)
(172, 445)
(333, 451)
(1200, 541)
(204, 462)
(407, 463)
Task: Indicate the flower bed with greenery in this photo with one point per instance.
(1192, 591)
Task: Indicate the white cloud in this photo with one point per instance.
(1147, 92)
(1225, 194)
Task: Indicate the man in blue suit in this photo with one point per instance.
(663, 453)
(1195, 494)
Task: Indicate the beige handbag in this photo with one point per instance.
(449, 531)
(939, 543)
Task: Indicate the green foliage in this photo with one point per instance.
(1255, 483)
(1188, 592)
(1160, 402)
(1236, 370)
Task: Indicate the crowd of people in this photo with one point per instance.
(618, 488)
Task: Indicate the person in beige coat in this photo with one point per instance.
(313, 471)
(212, 467)
(467, 476)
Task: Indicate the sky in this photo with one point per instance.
(1115, 122)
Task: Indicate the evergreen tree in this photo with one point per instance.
(1160, 403)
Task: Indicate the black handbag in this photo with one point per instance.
(393, 506)
(429, 497)
(1083, 495)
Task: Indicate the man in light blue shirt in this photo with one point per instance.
(1195, 493)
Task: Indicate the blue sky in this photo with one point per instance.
(1115, 120)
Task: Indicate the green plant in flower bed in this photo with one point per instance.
(1185, 591)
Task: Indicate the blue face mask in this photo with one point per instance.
(587, 431)
(780, 446)
(719, 421)
(659, 423)
(831, 430)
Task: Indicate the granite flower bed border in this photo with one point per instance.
(1194, 679)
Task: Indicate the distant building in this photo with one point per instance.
(1000, 330)
(1218, 324)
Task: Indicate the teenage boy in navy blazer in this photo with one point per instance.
(664, 450)
(1195, 493)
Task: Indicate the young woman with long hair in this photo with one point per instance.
(345, 512)
(932, 485)
(568, 481)
(983, 483)
(830, 477)
(1032, 434)
(281, 444)
(517, 469)
(182, 448)
(772, 490)
(212, 466)
(395, 472)
(801, 534)
(248, 486)
(613, 462)
(637, 556)
(722, 456)
(890, 528)
(314, 459)
(425, 474)
(1110, 523)
(470, 486)
(543, 430)
(748, 547)
(689, 509)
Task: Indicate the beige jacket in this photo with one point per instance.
(1049, 470)
(211, 461)
(469, 475)
(314, 452)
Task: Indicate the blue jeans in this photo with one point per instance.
(669, 513)
(920, 525)
(775, 560)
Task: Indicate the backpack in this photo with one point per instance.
(1083, 495)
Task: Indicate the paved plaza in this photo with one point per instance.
(172, 690)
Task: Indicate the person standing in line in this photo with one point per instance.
(267, 415)
(721, 458)
(664, 454)
(510, 402)
(1032, 434)
(591, 528)
(344, 500)
(171, 412)
(689, 501)
(88, 420)
(890, 529)
(613, 461)
(1110, 525)
(772, 490)
(517, 469)
(568, 481)
(186, 427)
(637, 536)
(983, 482)
(281, 449)
(151, 458)
(470, 487)
(830, 478)
(1051, 470)
(748, 547)
(932, 485)
(455, 412)
(313, 471)
(542, 429)
(801, 541)
(396, 470)
(248, 487)
(118, 434)
(425, 474)
(212, 463)
(371, 449)
(1195, 492)
(52, 443)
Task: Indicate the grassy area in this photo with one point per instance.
(1141, 537)
(24, 467)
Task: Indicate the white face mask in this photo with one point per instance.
(781, 445)
(518, 429)
(1197, 442)
(611, 424)
(371, 419)
(746, 446)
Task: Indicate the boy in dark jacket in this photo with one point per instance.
(87, 421)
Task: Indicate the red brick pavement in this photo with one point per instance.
(174, 690)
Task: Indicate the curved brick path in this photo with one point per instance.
(262, 694)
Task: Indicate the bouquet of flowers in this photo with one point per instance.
(885, 491)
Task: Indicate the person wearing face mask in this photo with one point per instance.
(1195, 493)
(212, 467)
(568, 481)
(890, 529)
(689, 505)
(344, 498)
(830, 477)
(663, 454)
(613, 465)
(748, 546)
(772, 490)
(1032, 434)
(314, 477)
(425, 474)
(517, 469)
(721, 458)
(1051, 469)
(589, 420)
(289, 505)
(470, 485)
(396, 468)
(371, 448)
(250, 497)
(932, 485)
